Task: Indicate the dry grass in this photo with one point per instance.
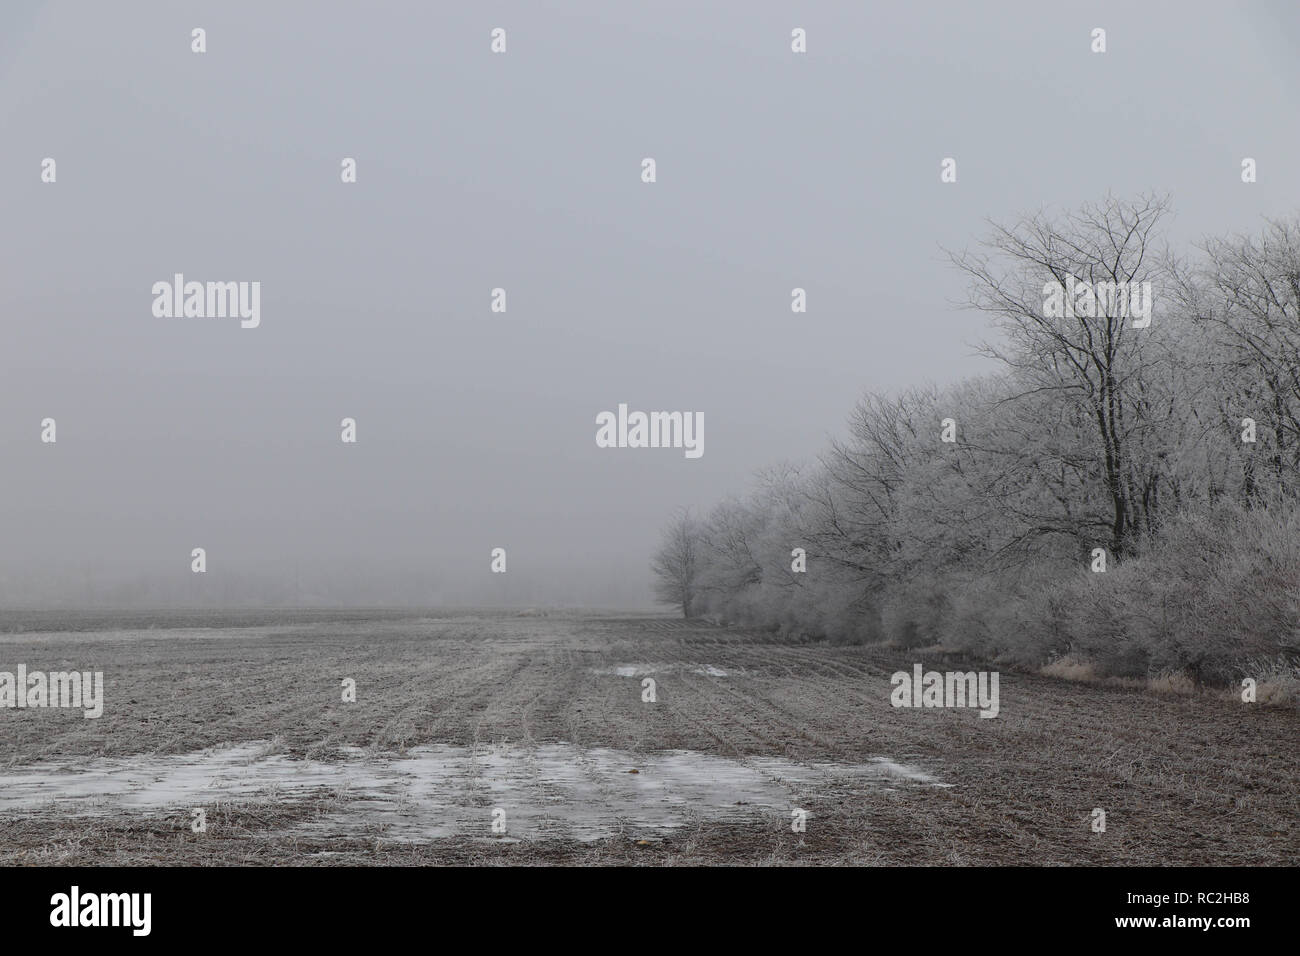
(1172, 682)
(1280, 691)
(1071, 668)
(1277, 682)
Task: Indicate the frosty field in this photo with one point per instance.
(540, 718)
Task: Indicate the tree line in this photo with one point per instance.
(1119, 490)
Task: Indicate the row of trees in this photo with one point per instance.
(982, 514)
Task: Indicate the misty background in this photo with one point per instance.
(477, 430)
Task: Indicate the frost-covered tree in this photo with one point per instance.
(676, 563)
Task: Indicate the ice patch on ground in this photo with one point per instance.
(558, 791)
(647, 670)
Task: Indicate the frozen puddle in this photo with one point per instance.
(552, 791)
(645, 670)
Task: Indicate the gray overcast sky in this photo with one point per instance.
(522, 170)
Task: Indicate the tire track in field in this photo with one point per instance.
(458, 698)
(787, 723)
(830, 717)
(740, 718)
(773, 725)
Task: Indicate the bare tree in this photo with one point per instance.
(676, 563)
(1250, 291)
(1091, 360)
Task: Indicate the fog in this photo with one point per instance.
(523, 171)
